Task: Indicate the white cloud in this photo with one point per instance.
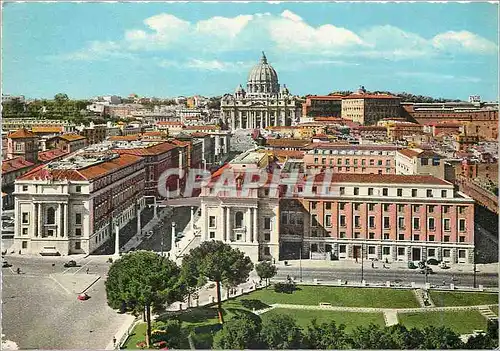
(455, 41)
(206, 65)
(286, 33)
(438, 77)
(95, 51)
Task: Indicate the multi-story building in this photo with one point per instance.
(322, 106)
(398, 131)
(95, 133)
(22, 143)
(74, 205)
(10, 124)
(364, 159)
(67, 142)
(11, 170)
(418, 161)
(262, 104)
(368, 109)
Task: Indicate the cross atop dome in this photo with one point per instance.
(264, 58)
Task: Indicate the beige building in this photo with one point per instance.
(421, 162)
(75, 205)
(368, 109)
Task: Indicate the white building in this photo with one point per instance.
(418, 161)
(74, 205)
(264, 103)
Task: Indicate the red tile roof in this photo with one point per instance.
(325, 97)
(71, 137)
(370, 96)
(203, 127)
(345, 146)
(157, 149)
(287, 142)
(51, 155)
(382, 178)
(169, 123)
(82, 174)
(199, 134)
(132, 137)
(47, 129)
(409, 153)
(15, 164)
(21, 133)
(284, 153)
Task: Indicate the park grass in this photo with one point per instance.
(494, 308)
(351, 320)
(462, 322)
(137, 335)
(445, 299)
(337, 296)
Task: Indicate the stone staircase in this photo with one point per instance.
(423, 297)
(487, 313)
(391, 317)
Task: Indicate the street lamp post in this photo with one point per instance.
(362, 270)
(300, 263)
(474, 258)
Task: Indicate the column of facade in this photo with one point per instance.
(248, 220)
(228, 224)
(223, 224)
(255, 228)
(240, 119)
(261, 120)
(233, 119)
(40, 215)
(35, 219)
(59, 220)
(66, 219)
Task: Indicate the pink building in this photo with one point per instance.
(361, 159)
(388, 217)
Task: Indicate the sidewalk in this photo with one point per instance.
(403, 266)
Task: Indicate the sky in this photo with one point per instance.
(171, 49)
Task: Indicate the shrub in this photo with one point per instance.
(141, 345)
(169, 332)
(287, 288)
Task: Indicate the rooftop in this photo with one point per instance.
(43, 129)
(344, 146)
(287, 142)
(22, 133)
(15, 164)
(382, 179)
(370, 96)
(71, 137)
(49, 155)
(252, 157)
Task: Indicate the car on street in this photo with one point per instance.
(411, 265)
(69, 264)
(432, 262)
(6, 264)
(427, 270)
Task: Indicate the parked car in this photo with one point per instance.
(426, 269)
(432, 262)
(444, 265)
(411, 265)
(70, 263)
(421, 264)
(6, 264)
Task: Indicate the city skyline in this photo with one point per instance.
(170, 49)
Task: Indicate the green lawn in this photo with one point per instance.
(350, 319)
(444, 299)
(462, 322)
(494, 309)
(136, 336)
(350, 297)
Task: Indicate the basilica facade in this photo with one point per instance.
(263, 104)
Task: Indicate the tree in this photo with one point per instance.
(191, 278)
(140, 280)
(439, 338)
(220, 263)
(266, 270)
(371, 337)
(281, 332)
(326, 336)
(60, 98)
(239, 333)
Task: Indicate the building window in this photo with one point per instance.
(314, 220)
(211, 222)
(424, 161)
(78, 231)
(78, 245)
(341, 248)
(386, 250)
(385, 207)
(401, 223)
(413, 192)
(416, 208)
(26, 218)
(461, 239)
(431, 237)
(267, 223)
(341, 206)
(298, 216)
(446, 238)
(238, 219)
(401, 251)
(371, 207)
(372, 162)
(400, 192)
(385, 191)
(461, 225)
(284, 218)
(363, 162)
(416, 223)
(386, 222)
(379, 162)
(444, 193)
(461, 209)
(370, 191)
(267, 236)
(401, 237)
(328, 205)
(357, 223)
(431, 208)
(356, 206)
(267, 251)
(342, 235)
(371, 235)
(238, 237)
(78, 189)
(446, 224)
(371, 250)
(429, 193)
(51, 215)
(339, 161)
(446, 253)
(24, 244)
(342, 221)
(25, 231)
(357, 235)
(78, 218)
(356, 191)
(342, 190)
(212, 235)
(431, 223)
(371, 222)
(328, 220)
(25, 188)
(313, 204)
(386, 236)
(446, 209)
(461, 253)
(416, 237)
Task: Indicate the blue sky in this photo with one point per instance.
(170, 49)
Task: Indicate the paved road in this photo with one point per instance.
(382, 275)
(39, 313)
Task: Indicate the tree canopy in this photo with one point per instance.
(281, 332)
(238, 333)
(266, 270)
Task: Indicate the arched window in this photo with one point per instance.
(51, 215)
(238, 218)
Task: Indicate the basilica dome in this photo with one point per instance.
(262, 79)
